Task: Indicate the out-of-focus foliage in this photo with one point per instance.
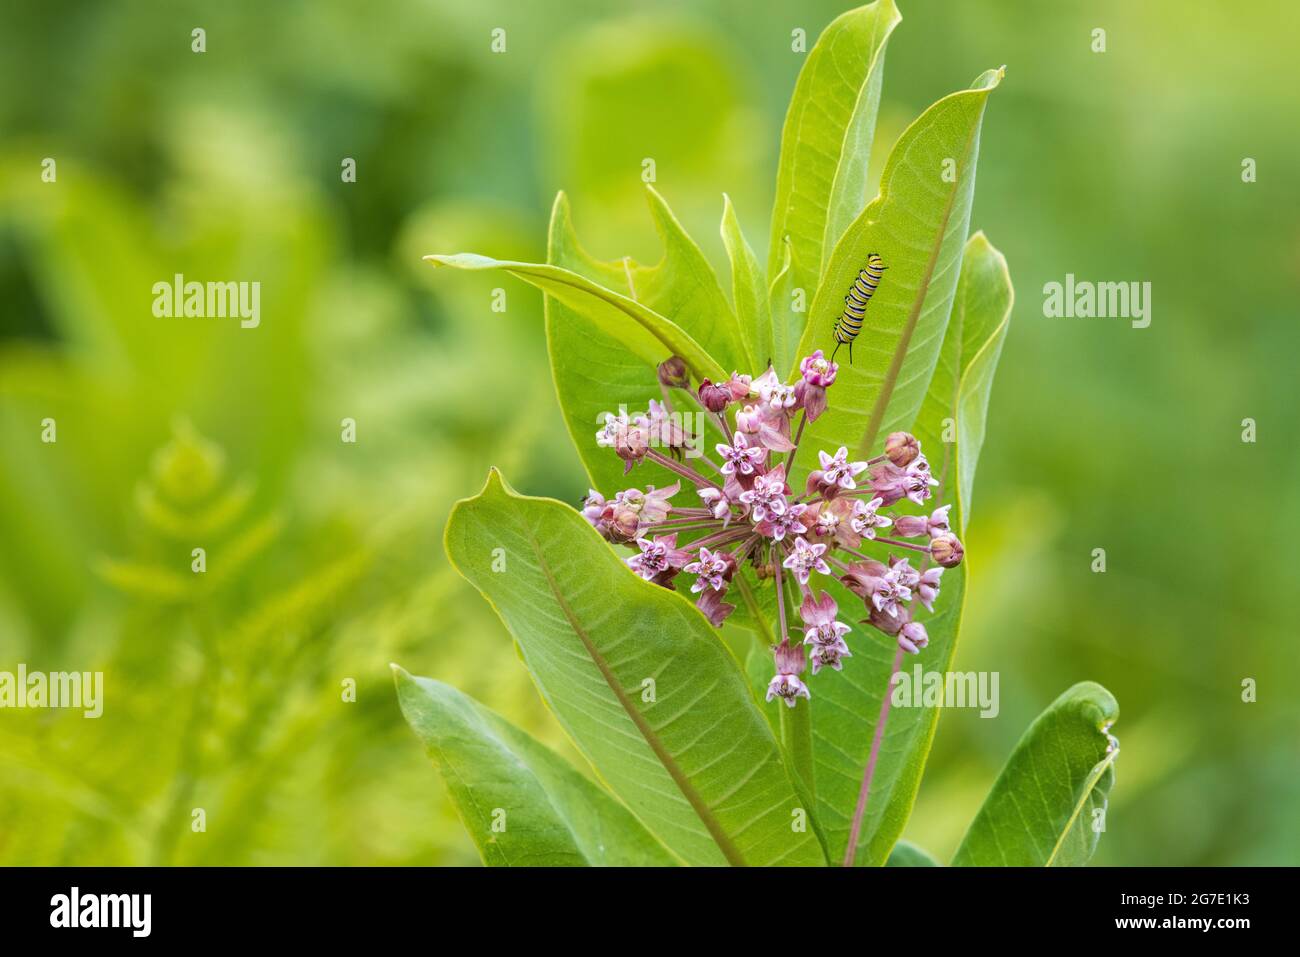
(225, 165)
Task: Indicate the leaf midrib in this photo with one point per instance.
(702, 810)
(890, 381)
(1090, 785)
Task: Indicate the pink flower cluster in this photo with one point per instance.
(747, 514)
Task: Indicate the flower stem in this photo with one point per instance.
(683, 471)
(803, 420)
(796, 722)
(851, 851)
(894, 541)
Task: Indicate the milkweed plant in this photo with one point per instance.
(721, 626)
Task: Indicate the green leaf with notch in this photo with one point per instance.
(638, 679)
(821, 179)
(1046, 805)
(522, 803)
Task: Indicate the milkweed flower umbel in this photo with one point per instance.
(741, 513)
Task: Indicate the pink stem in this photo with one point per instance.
(681, 470)
(870, 770)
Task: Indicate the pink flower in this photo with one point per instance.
(718, 504)
(829, 655)
(739, 456)
(838, 470)
(823, 629)
(767, 497)
(659, 560)
(787, 523)
(769, 426)
(879, 586)
(817, 370)
(865, 519)
(917, 480)
(927, 587)
(790, 663)
(805, 559)
(787, 688)
(713, 568)
(592, 508)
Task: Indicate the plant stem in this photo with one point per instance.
(683, 471)
(796, 722)
(851, 851)
(796, 736)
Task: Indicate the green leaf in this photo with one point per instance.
(638, 679)
(1041, 810)
(641, 331)
(963, 378)
(958, 390)
(788, 304)
(683, 285)
(918, 225)
(499, 775)
(593, 368)
(821, 181)
(747, 289)
(907, 854)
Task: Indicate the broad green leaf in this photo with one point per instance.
(641, 331)
(500, 775)
(593, 369)
(844, 722)
(907, 854)
(918, 225)
(821, 181)
(1043, 809)
(638, 679)
(959, 392)
(748, 289)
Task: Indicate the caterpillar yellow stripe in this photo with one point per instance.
(849, 324)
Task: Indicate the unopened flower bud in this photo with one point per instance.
(789, 659)
(631, 446)
(623, 523)
(946, 550)
(714, 397)
(673, 373)
(902, 448)
(912, 637)
(740, 386)
(911, 526)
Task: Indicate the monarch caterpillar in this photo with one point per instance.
(849, 324)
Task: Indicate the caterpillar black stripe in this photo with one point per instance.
(849, 323)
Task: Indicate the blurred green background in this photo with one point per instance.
(325, 558)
